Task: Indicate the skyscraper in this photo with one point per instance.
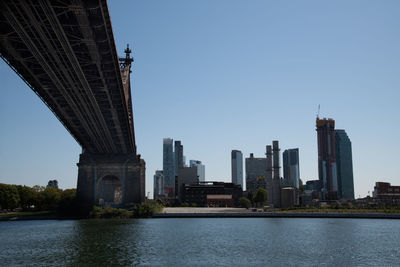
(276, 181)
(269, 183)
(256, 172)
(344, 165)
(168, 167)
(327, 158)
(178, 156)
(158, 184)
(291, 170)
(237, 167)
(201, 169)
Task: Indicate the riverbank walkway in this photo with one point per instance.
(188, 212)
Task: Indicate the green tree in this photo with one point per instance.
(68, 204)
(261, 196)
(9, 197)
(51, 197)
(244, 202)
(27, 196)
(250, 196)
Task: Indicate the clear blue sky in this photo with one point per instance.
(223, 75)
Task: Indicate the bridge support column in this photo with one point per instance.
(110, 179)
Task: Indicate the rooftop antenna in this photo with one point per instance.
(318, 111)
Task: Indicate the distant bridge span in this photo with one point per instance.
(65, 51)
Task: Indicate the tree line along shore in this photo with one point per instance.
(40, 202)
(21, 201)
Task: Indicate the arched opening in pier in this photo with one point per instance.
(109, 190)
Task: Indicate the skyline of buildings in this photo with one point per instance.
(168, 181)
(335, 179)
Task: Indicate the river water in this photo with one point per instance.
(201, 242)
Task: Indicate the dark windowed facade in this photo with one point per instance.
(344, 163)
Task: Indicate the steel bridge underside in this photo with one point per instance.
(65, 51)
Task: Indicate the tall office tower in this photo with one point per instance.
(276, 181)
(201, 169)
(291, 170)
(269, 183)
(256, 172)
(344, 163)
(327, 158)
(168, 167)
(275, 154)
(178, 156)
(158, 184)
(237, 167)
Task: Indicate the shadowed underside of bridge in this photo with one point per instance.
(65, 51)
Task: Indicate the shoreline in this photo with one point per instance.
(280, 215)
(338, 215)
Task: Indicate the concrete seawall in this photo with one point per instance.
(280, 215)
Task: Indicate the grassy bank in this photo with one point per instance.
(138, 211)
(27, 213)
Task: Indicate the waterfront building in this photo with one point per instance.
(386, 190)
(201, 169)
(185, 175)
(168, 167)
(289, 197)
(291, 170)
(344, 163)
(313, 185)
(158, 184)
(206, 194)
(237, 167)
(327, 169)
(256, 172)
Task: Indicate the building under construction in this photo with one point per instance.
(327, 170)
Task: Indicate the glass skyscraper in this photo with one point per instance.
(291, 169)
(201, 169)
(256, 173)
(344, 163)
(237, 167)
(158, 184)
(178, 156)
(168, 167)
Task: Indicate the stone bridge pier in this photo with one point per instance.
(110, 179)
